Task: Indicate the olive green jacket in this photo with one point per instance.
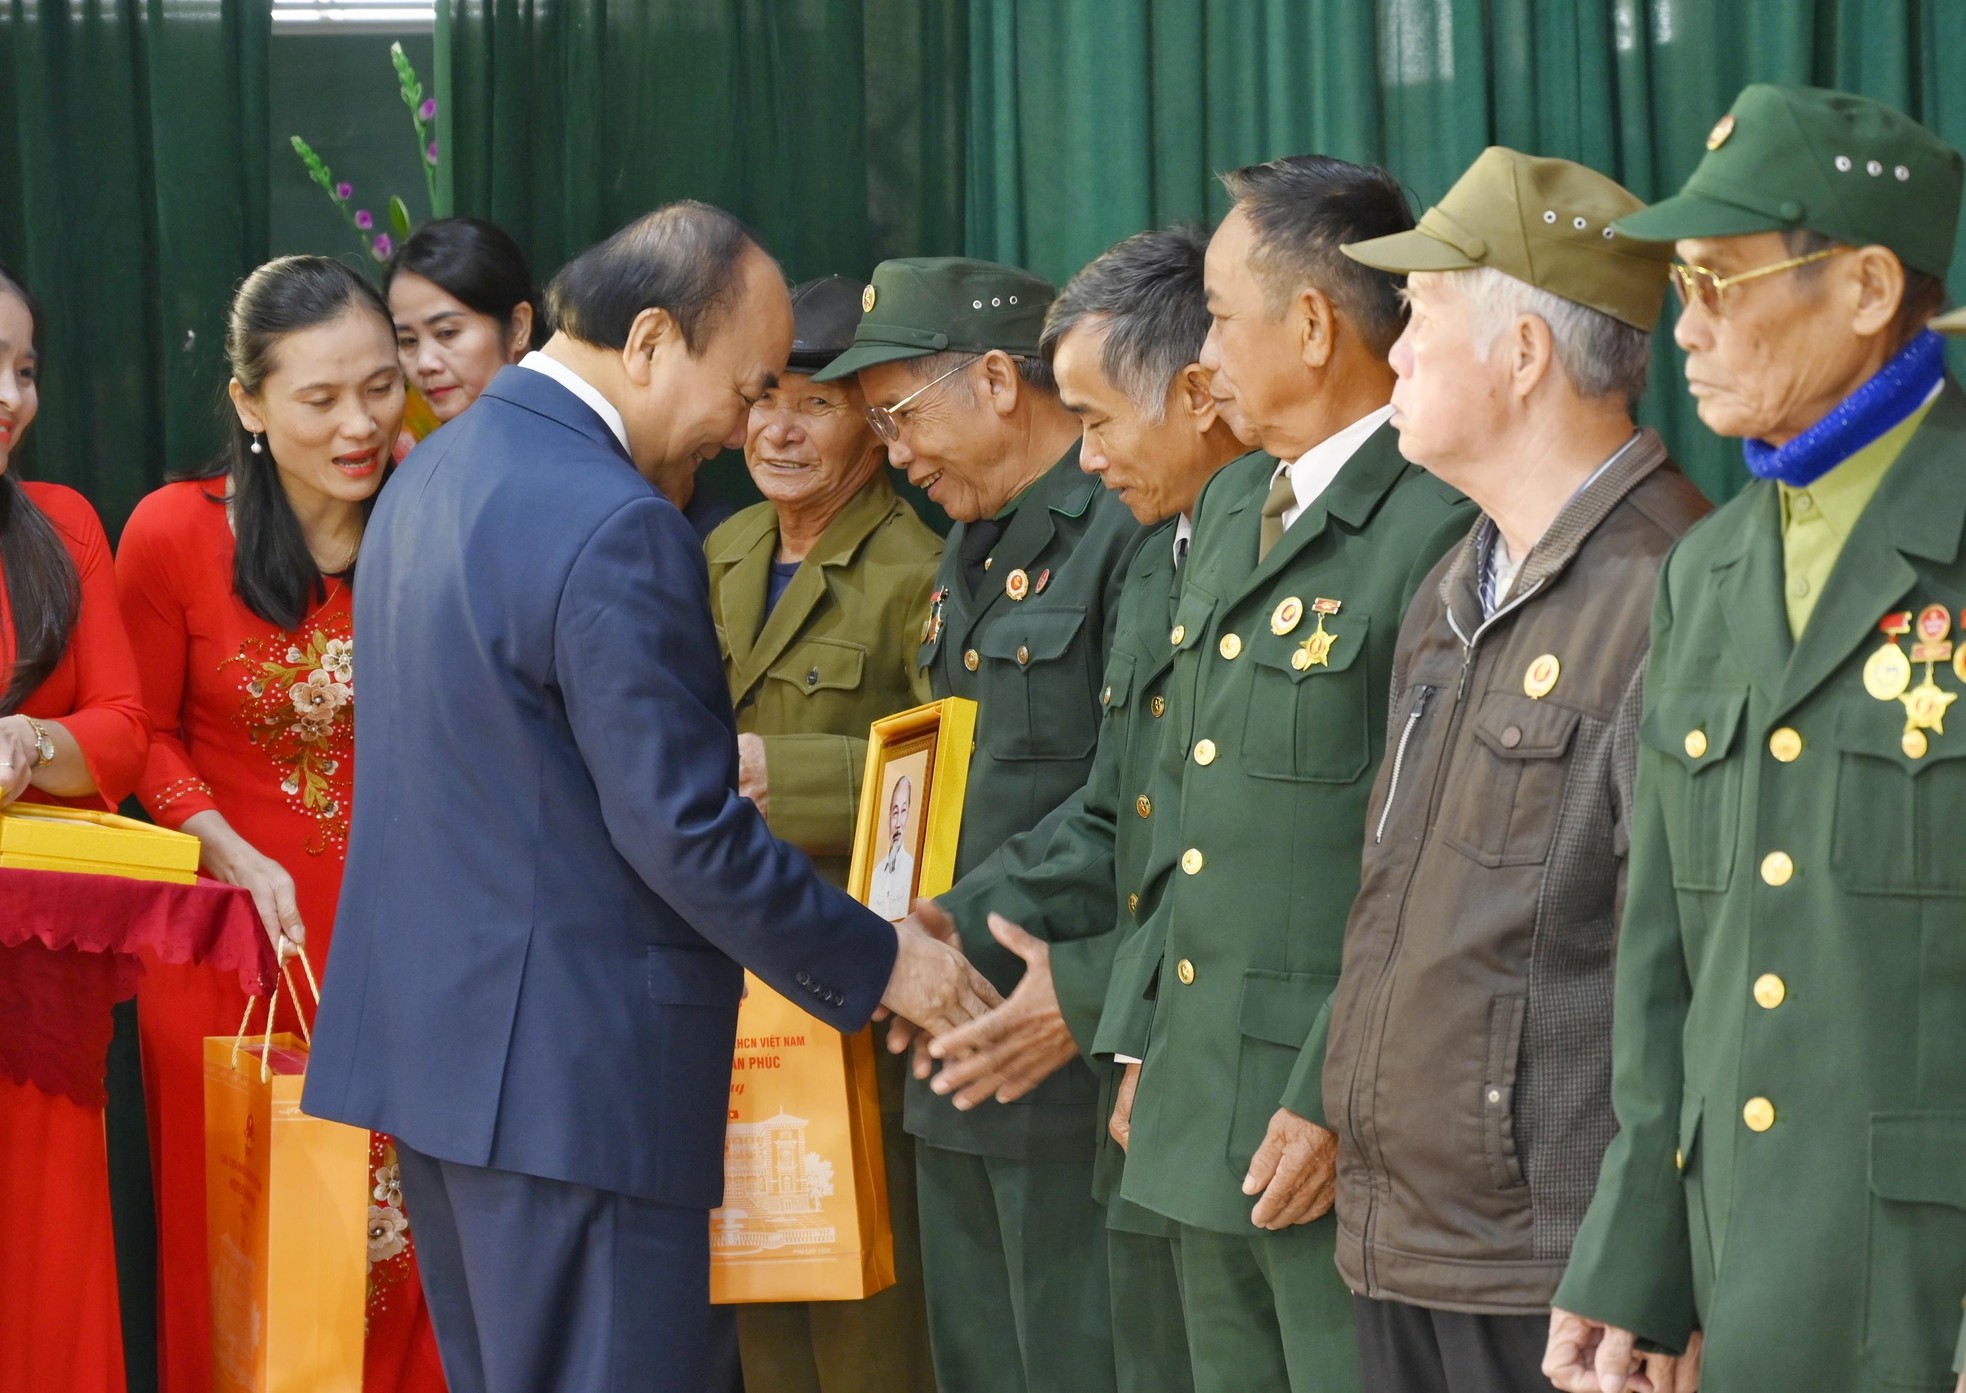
(1084, 866)
(1789, 1040)
(836, 655)
(1266, 763)
(1036, 669)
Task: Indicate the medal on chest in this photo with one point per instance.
(932, 626)
(1315, 650)
(1887, 673)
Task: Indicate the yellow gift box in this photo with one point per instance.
(42, 837)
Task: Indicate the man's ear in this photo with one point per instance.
(1876, 281)
(1191, 392)
(654, 331)
(1001, 383)
(1317, 325)
(247, 406)
(1532, 353)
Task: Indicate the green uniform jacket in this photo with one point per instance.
(1789, 1042)
(1035, 667)
(1266, 764)
(836, 655)
(1084, 866)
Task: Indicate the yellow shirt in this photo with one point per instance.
(1817, 520)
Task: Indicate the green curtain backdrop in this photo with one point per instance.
(1091, 119)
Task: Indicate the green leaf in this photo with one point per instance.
(399, 217)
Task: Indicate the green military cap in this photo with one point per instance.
(1546, 222)
(1847, 167)
(920, 305)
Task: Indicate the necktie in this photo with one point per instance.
(1180, 553)
(978, 538)
(1282, 497)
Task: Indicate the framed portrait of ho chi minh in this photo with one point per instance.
(911, 805)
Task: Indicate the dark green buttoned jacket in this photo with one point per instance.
(1789, 1048)
(1036, 668)
(1077, 879)
(834, 656)
(1266, 764)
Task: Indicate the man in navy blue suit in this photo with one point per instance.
(552, 881)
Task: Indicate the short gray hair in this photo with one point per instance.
(1147, 292)
(1602, 356)
(1033, 372)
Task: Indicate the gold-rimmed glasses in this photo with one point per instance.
(887, 420)
(1709, 287)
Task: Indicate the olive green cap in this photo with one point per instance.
(1546, 222)
(920, 305)
(1849, 168)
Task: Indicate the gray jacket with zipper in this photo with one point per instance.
(1468, 1073)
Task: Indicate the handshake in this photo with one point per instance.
(946, 1010)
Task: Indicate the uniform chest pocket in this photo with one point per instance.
(1035, 686)
(1501, 799)
(1693, 732)
(1897, 819)
(1307, 719)
(1117, 694)
(821, 665)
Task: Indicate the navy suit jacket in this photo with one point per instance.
(551, 879)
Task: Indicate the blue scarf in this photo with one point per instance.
(1868, 413)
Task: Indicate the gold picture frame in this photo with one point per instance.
(911, 805)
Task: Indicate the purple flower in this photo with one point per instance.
(428, 111)
(431, 153)
(365, 220)
(381, 247)
(344, 191)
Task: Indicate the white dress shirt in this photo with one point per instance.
(1312, 475)
(581, 388)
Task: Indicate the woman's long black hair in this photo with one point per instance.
(43, 590)
(476, 262)
(273, 573)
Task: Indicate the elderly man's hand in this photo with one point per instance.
(1295, 1170)
(751, 781)
(1120, 1125)
(1588, 1356)
(1016, 1047)
(932, 985)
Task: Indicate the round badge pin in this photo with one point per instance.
(1934, 623)
(1887, 673)
(1722, 128)
(867, 300)
(1289, 612)
(1540, 680)
(1017, 584)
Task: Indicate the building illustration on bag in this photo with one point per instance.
(774, 1188)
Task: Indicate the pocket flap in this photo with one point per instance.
(1674, 715)
(822, 665)
(1281, 1007)
(1514, 726)
(1191, 618)
(1343, 642)
(1043, 634)
(1877, 729)
(683, 976)
(1919, 1158)
(1119, 681)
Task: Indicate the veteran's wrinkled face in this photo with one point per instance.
(953, 441)
(1449, 399)
(808, 445)
(20, 369)
(1253, 353)
(1781, 353)
(1156, 462)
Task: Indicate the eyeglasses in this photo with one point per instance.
(1710, 288)
(887, 420)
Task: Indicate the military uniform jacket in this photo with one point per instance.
(1789, 1047)
(1272, 737)
(834, 656)
(1036, 669)
(1083, 867)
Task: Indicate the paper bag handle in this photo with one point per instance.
(288, 952)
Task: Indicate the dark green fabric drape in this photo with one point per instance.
(133, 164)
(1091, 119)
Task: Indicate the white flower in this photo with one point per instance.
(294, 655)
(318, 698)
(388, 1230)
(389, 1186)
(338, 660)
(290, 785)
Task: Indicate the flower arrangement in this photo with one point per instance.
(423, 117)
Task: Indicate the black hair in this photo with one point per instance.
(685, 257)
(273, 573)
(475, 262)
(43, 591)
(1147, 291)
(1302, 209)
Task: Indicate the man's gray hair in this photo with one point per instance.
(1148, 294)
(1602, 356)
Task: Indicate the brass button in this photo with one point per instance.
(1180, 632)
(970, 660)
(1770, 991)
(1185, 970)
(1915, 744)
(1511, 737)
(1204, 752)
(1759, 1114)
(1133, 903)
(1777, 868)
(1786, 745)
(1696, 743)
(1143, 805)
(1230, 646)
(1158, 706)
(1191, 861)
(1023, 655)
(1678, 1159)
(1106, 697)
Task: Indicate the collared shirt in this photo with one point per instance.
(1312, 474)
(1184, 533)
(1499, 568)
(1816, 520)
(580, 387)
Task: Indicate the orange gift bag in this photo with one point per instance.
(805, 1214)
(287, 1221)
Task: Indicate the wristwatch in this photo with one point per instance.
(43, 746)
